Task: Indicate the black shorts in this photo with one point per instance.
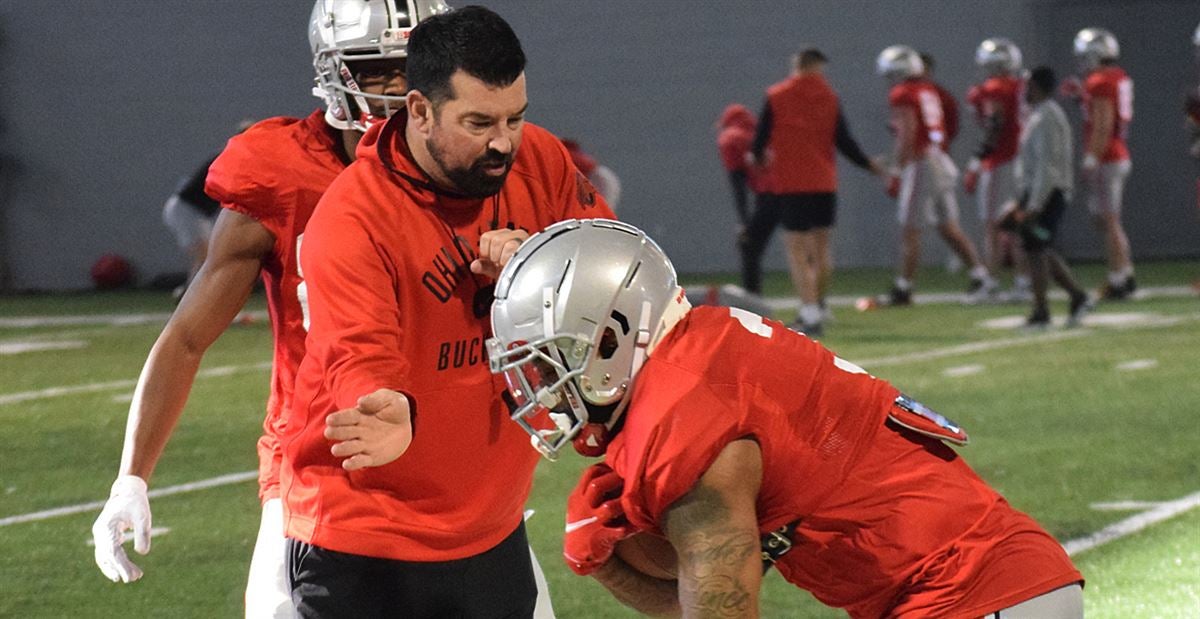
(801, 212)
(497, 583)
(1038, 233)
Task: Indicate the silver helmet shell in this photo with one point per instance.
(999, 56)
(899, 62)
(1093, 45)
(345, 31)
(575, 310)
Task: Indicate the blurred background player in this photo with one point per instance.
(599, 175)
(190, 214)
(989, 175)
(1045, 171)
(798, 131)
(1107, 112)
(268, 181)
(747, 446)
(1191, 108)
(924, 178)
(949, 103)
(735, 135)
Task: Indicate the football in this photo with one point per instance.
(650, 555)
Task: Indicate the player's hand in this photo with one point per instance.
(892, 186)
(496, 247)
(127, 508)
(878, 167)
(375, 432)
(595, 520)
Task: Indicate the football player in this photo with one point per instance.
(747, 446)
(923, 183)
(268, 180)
(998, 106)
(1107, 111)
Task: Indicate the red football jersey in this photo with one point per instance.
(920, 96)
(275, 172)
(1112, 83)
(1001, 95)
(394, 305)
(949, 114)
(887, 522)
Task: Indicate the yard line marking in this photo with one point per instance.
(223, 480)
(974, 347)
(1124, 506)
(1133, 524)
(112, 320)
(1137, 364)
(963, 370)
(789, 303)
(53, 392)
(16, 347)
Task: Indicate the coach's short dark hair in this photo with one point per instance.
(472, 38)
(1044, 79)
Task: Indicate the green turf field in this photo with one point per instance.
(1061, 420)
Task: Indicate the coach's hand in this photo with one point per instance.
(127, 508)
(375, 432)
(595, 520)
(496, 247)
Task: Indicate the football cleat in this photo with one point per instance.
(1039, 319)
(1081, 304)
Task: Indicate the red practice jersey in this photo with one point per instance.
(1111, 83)
(1003, 96)
(275, 172)
(393, 305)
(922, 98)
(949, 114)
(888, 522)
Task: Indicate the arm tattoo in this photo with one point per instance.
(713, 556)
(645, 594)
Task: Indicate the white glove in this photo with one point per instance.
(127, 508)
(1090, 162)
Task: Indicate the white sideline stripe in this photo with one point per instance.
(973, 347)
(14, 347)
(963, 370)
(53, 392)
(1138, 364)
(1124, 506)
(112, 320)
(1133, 524)
(223, 480)
(154, 532)
(790, 303)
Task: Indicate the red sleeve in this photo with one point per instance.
(669, 443)
(354, 312)
(899, 95)
(949, 113)
(246, 176)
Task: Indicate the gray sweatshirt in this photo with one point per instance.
(1045, 160)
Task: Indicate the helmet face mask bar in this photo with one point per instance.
(352, 39)
(574, 315)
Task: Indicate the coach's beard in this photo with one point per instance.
(474, 181)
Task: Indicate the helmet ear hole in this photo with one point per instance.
(608, 343)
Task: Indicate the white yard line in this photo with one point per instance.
(112, 320)
(17, 347)
(1133, 524)
(1137, 364)
(223, 480)
(53, 392)
(973, 347)
(1125, 506)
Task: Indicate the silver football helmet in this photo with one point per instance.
(1093, 45)
(344, 32)
(575, 310)
(899, 62)
(998, 56)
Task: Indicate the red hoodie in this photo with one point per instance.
(393, 305)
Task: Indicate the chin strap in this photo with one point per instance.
(672, 314)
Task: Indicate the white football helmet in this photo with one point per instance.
(998, 56)
(899, 62)
(343, 32)
(1093, 45)
(575, 310)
